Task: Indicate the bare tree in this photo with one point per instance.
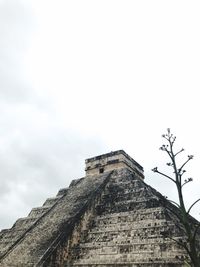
(191, 227)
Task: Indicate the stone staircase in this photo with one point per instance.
(32, 240)
(128, 229)
(110, 218)
(10, 237)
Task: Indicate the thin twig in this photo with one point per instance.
(192, 205)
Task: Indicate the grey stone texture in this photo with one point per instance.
(112, 219)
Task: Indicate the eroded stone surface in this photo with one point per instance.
(112, 219)
(38, 240)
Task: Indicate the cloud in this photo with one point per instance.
(115, 78)
(38, 154)
(16, 27)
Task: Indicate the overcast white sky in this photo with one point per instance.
(82, 78)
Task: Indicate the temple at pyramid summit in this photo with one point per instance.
(109, 218)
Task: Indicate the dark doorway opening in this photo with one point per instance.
(101, 170)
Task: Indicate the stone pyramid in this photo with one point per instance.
(109, 218)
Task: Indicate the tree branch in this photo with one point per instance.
(192, 205)
(180, 244)
(195, 232)
(173, 202)
(179, 152)
(178, 216)
(186, 182)
(179, 212)
(156, 170)
(189, 158)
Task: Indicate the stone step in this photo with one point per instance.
(38, 212)
(8, 237)
(51, 201)
(62, 192)
(133, 258)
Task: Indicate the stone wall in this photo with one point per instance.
(39, 242)
(128, 228)
(113, 161)
(108, 220)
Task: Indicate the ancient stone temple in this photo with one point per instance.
(109, 218)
